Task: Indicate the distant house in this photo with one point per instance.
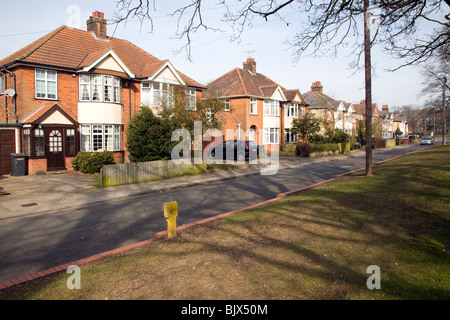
(77, 90)
(377, 120)
(322, 106)
(257, 105)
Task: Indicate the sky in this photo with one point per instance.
(213, 53)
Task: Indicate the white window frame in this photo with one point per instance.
(114, 86)
(227, 105)
(46, 81)
(253, 106)
(289, 136)
(271, 135)
(291, 110)
(271, 107)
(113, 136)
(157, 93)
(2, 84)
(191, 99)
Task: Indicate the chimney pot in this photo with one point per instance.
(317, 87)
(97, 24)
(250, 65)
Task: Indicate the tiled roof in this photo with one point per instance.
(361, 108)
(38, 112)
(74, 49)
(240, 82)
(319, 100)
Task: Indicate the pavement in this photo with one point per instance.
(28, 195)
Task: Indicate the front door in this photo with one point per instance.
(55, 150)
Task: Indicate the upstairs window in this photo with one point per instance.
(227, 105)
(156, 94)
(102, 88)
(291, 110)
(1, 84)
(46, 84)
(253, 106)
(271, 107)
(191, 100)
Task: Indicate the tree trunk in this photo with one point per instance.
(444, 121)
(368, 81)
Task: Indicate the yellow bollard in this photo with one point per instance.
(171, 213)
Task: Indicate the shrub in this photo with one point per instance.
(326, 147)
(87, 162)
(303, 149)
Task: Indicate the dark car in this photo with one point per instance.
(239, 150)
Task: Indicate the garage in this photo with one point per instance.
(7, 146)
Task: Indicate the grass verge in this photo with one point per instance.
(314, 245)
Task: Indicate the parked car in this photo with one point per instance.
(239, 150)
(426, 140)
(357, 145)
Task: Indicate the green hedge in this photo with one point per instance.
(88, 162)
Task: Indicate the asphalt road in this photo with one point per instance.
(35, 243)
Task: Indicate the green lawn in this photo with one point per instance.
(314, 245)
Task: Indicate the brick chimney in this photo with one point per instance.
(385, 108)
(317, 87)
(97, 24)
(250, 65)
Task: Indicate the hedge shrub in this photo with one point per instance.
(88, 162)
(303, 149)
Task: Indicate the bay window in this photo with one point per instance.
(97, 87)
(271, 107)
(290, 136)
(291, 110)
(95, 137)
(156, 94)
(271, 135)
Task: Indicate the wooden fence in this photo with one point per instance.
(120, 174)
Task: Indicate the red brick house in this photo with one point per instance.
(74, 90)
(257, 105)
(321, 105)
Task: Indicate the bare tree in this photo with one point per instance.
(435, 83)
(330, 25)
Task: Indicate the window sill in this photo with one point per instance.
(36, 98)
(108, 102)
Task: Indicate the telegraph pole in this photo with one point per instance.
(444, 120)
(368, 81)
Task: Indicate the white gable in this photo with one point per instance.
(57, 118)
(109, 63)
(110, 60)
(278, 95)
(167, 75)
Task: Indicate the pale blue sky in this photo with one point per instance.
(213, 53)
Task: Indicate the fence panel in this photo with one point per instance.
(127, 173)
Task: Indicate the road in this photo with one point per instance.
(39, 242)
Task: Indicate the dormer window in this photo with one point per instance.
(101, 88)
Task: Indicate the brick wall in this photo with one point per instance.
(35, 165)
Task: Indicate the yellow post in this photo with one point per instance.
(171, 213)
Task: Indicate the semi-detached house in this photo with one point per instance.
(257, 105)
(75, 90)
